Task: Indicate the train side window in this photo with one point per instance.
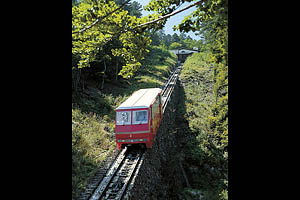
(152, 111)
(140, 117)
(123, 117)
(154, 107)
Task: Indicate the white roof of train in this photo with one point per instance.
(140, 99)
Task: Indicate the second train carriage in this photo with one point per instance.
(138, 118)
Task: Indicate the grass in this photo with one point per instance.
(203, 162)
(93, 116)
(197, 76)
(91, 142)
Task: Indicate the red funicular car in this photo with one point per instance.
(138, 118)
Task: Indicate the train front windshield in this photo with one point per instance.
(140, 117)
(124, 118)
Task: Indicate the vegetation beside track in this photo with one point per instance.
(93, 117)
(102, 50)
(205, 153)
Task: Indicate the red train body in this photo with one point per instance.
(138, 118)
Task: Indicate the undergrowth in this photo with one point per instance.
(93, 115)
(204, 161)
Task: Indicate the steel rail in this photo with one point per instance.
(168, 82)
(128, 179)
(131, 184)
(169, 87)
(120, 175)
(123, 167)
(109, 175)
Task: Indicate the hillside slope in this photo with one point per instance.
(204, 161)
(93, 116)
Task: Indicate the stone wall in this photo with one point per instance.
(160, 176)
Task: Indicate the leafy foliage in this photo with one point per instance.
(203, 152)
(175, 45)
(93, 116)
(210, 19)
(91, 143)
(97, 23)
(207, 114)
(107, 39)
(174, 41)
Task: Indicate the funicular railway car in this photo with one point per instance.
(138, 118)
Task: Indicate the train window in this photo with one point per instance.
(123, 118)
(140, 117)
(154, 107)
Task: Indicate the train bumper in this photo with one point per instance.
(132, 140)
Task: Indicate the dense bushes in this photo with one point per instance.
(206, 113)
(91, 142)
(197, 77)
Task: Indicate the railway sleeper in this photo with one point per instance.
(116, 179)
(124, 175)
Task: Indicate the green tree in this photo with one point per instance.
(157, 37)
(210, 20)
(95, 24)
(74, 2)
(175, 45)
(134, 8)
(175, 38)
(168, 40)
(182, 36)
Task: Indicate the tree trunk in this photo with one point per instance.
(76, 78)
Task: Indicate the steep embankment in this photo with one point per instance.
(93, 115)
(203, 161)
(160, 176)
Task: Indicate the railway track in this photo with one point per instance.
(169, 87)
(118, 180)
(120, 176)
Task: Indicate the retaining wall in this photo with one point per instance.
(160, 176)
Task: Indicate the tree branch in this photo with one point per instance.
(168, 15)
(101, 18)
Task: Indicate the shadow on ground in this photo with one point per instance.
(199, 164)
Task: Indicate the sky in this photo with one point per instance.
(175, 19)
